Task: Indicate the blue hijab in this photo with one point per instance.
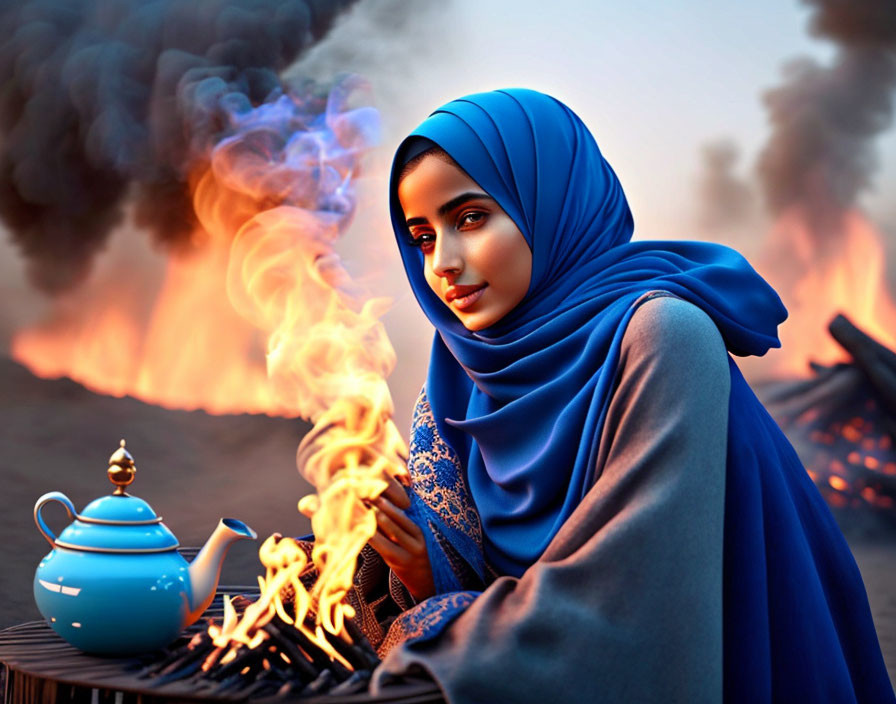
(522, 402)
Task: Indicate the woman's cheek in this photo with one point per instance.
(432, 279)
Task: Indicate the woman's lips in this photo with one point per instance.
(463, 302)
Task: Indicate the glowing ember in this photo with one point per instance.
(849, 457)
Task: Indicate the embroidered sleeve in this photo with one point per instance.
(437, 474)
(442, 504)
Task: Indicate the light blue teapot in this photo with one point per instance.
(114, 582)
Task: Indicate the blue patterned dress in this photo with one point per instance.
(441, 503)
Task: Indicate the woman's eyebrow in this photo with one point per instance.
(451, 205)
(461, 199)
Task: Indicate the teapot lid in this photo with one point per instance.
(119, 509)
(120, 522)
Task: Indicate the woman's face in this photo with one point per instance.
(475, 258)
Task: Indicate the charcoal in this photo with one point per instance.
(231, 684)
(245, 656)
(264, 671)
(355, 684)
(325, 680)
(289, 688)
(357, 658)
(183, 672)
(319, 658)
(298, 660)
(876, 361)
(360, 641)
(176, 658)
(188, 663)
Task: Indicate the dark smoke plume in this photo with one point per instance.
(726, 200)
(103, 100)
(825, 119)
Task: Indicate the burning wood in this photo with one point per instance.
(818, 275)
(284, 661)
(876, 361)
(843, 421)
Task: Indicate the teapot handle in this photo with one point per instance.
(39, 520)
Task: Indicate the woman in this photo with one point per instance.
(600, 508)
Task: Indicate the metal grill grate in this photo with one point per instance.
(41, 667)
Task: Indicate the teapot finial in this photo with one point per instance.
(121, 469)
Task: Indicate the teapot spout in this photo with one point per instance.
(205, 569)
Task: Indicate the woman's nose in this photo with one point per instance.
(447, 259)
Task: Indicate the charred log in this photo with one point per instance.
(288, 662)
(876, 361)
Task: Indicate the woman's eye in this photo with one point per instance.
(472, 218)
(423, 241)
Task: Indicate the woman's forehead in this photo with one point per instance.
(431, 185)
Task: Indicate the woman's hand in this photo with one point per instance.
(398, 539)
(400, 542)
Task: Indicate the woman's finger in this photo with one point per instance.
(393, 554)
(396, 493)
(396, 533)
(390, 529)
(398, 517)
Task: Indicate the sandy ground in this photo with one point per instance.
(194, 468)
(877, 561)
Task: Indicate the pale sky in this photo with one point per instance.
(654, 80)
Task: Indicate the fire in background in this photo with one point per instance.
(111, 112)
(824, 254)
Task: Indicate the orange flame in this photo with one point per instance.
(328, 355)
(104, 337)
(818, 279)
(284, 561)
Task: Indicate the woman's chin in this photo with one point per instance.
(474, 322)
(472, 327)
